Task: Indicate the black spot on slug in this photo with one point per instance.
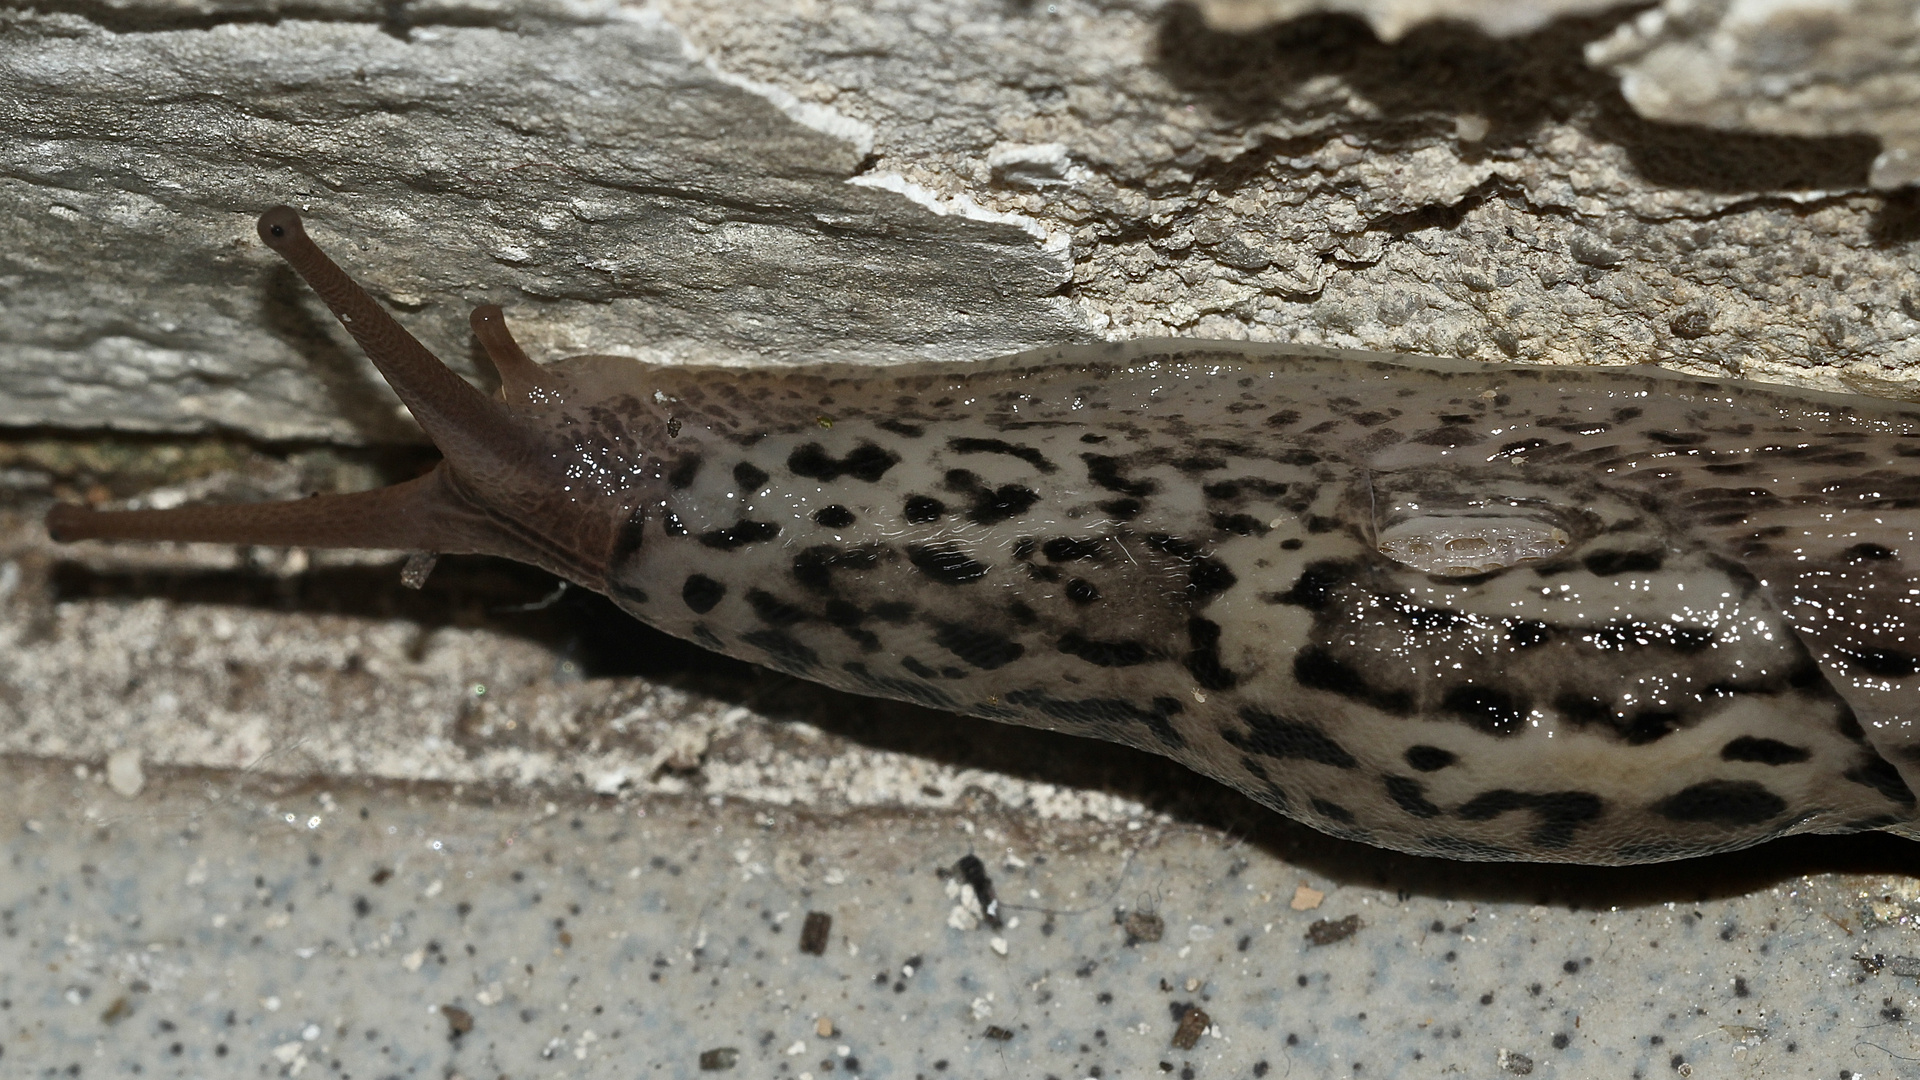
(814, 566)
(774, 611)
(833, 517)
(1452, 435)
(1429, 758)
(628, 542)
(1690, 639)
(1006, 501)
(1100, 712)
(1609, 563)
(1105, 472)
(922, 509)
(899, 427)
(1206, 575)
(1678, 438)
(750, 477)
(1514, 448)
(1229, 490)
(1491, 710)
(1081, 591)
(982, 649)
(844, 613)
(739, 534)
(911, 689)
(946, 563)
(1411, 795)
(1526, 633)
(866, 462)
(784, 651)
(1650, 726)
(1880, 774)
(1068, 549)
(1722, 802)
(1884, 663)
(684, 470)
(897, 612)
(1559, 813)
(1027, 454)
(1334, 810)
(1240, 524)
(1763, 751)
(1121, 509)
(1318, 669)
(701, 593)
(1315, 586)
(1279, 737)
(1203, 656)
(1584, 708)
(1104, 653)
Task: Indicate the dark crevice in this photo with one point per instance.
(393, 17)
(1443, 70)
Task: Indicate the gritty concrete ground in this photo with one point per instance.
(220, 924)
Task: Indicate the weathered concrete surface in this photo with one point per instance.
(1799, 68)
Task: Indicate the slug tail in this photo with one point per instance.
(469, 429)
(418, 515)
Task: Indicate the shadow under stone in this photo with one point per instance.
(1442, 70)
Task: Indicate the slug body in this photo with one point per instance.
(1583, 615)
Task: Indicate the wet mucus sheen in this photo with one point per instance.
(1588, 615)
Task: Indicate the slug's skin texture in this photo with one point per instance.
(1584, 615)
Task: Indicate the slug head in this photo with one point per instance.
(500, 490)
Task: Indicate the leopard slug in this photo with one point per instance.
(1601, 615)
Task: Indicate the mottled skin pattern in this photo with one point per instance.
(1173, 545)
(1678, 616)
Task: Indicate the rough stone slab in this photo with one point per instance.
(769, 182)
(1792, 69)
(591, 174)
(1450, 192)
